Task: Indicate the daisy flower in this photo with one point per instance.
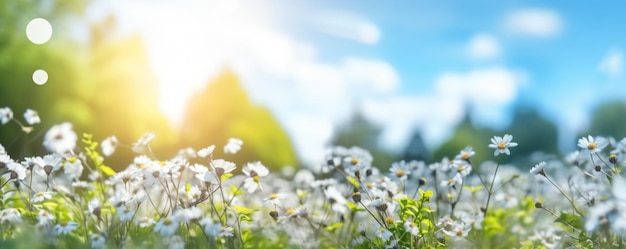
(274, 198)
(539, 169)
(384, 234)
(399, 171)
(233, 146)
(206, 152)
(40, 196)
(97, 241)
(10, 215)
(502, 144)
(44, 217)
(145, 222)
(60, 138)
(31, 117)
(109, 145)
(592, 145)
(17, 170)
(466, 154)
(221, 166)
(65, 227)
(166, 226)
(254, 172)
(5, 115)
(94, 207)
(143, 141)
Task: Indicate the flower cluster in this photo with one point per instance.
(71, 198)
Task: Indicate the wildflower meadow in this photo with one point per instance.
(71, 197)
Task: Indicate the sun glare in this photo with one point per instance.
(194, 44)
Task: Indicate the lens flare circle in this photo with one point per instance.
(39, 31)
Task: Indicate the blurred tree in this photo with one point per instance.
(359, 131)
(416, 149)
(223, 110)
(465, 134)
(609, 119)
(532, 133)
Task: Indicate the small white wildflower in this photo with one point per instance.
(145, 222)
(538, 169)
(591, 145)
(166, 226)
(410, 227)
(97, 241)
(65, 227)
(399, 171)
(10, 215)
(384, 234)
(220, 167)
(142, 143)
(31, 117)
(44, 217)
(206, 151)
(40, 196)
(60, 138)
(109, 145)
(5, 115)
(233, 146)
(502, 144)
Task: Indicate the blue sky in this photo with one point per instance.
(405, 64)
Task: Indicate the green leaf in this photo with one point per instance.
(243, 210)
(473, 189)
(353, 181)
(570, 219)
(426, 194)
(234, 191)
(225, 176)
(108, 171)
(334, 226)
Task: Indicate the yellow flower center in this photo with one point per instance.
(63, 223)
(256, 179)
(39, 194)
(412, 224)
(459, 233)
(72, 159)
(389, 220)
(141, 166)
(382, 230)
(167, 222)
(291, 211)
(592, 146)
(354, 161)
(461, 168)
(273, 196)
(465, 155)
(400, 173)
(501, 145)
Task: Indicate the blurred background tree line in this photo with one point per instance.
(105, 86)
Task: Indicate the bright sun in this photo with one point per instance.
(195, 41)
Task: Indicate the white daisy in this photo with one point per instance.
(502, 144)
(233, 146)
(60, 138)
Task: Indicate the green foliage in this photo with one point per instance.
(608, 120)
(209, 120)
(358, 131)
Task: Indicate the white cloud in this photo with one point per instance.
(348, 26)
(612, 64)
(542, 23)
(377, 75)
(488, 90)
(483, 46)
